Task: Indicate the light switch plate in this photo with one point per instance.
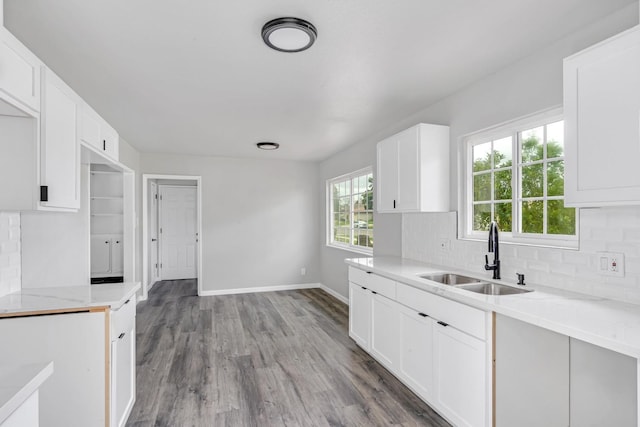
(610, 264)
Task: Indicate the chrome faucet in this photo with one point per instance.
(494, 246)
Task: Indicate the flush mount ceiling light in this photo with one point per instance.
(289, 34)
(268, 145)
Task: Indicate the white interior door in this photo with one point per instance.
(154, 261)
(178, 232)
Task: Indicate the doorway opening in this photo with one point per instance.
(172, 236)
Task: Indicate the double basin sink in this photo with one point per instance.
(473, 285)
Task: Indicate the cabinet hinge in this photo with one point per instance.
(44, 193)
(160, 265)
(161, 197)
(160, 230)
(156, 265)
(156, 197)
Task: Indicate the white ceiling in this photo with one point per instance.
(195, 77)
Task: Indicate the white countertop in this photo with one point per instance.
(17, 383)
(606, 323)
(113, 295)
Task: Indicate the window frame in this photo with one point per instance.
(329, 211)
(504, 130)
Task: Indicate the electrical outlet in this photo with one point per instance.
(445, 244)
(303, 271)
(610, 264)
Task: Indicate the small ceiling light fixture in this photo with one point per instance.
(289, 34)
(268, 145)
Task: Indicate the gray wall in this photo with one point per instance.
(387, 227)
(260, 218)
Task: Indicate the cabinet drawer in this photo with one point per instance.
(379, 284)
(123, 318)
(462, 317)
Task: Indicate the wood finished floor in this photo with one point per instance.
(264, 359)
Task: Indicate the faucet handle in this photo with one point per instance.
(520, 279)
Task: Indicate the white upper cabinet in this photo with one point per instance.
(19, 76)
(602, 123)
(60, 147)
(413, 170)
(97, 133)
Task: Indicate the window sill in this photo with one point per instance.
(363, 251)
(565, 245)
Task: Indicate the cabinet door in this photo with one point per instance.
(408, 175)
(90, 127)
(385, 324)
(387, 176)
(100, 255)
(110, 141)
(59, 150)
(460, 362)
(416, 351)
(602, 110)
(116, 255)
(122, 376)
(360, 315)
(19, 74)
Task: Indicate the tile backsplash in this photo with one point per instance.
(10, 264)
(604, 229)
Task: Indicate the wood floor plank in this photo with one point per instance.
(264, 359)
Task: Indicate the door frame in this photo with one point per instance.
(145, 227)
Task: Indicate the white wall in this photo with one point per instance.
(10, 266)
(130, 157)
(525, 87)
(260, 218)
(55, 245)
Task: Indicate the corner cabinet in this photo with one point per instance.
(439, 348)
(602, 123)
(413, 170)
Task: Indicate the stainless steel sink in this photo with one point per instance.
(449, 278)
(493, 289)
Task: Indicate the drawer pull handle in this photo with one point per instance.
(369, 272)
(127, 301)
(442, 323)
(423, 315)
(374, 292)
(121, 336)
(363, 288)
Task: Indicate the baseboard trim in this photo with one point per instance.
(260, 289)
(293, 287)
(334, 294)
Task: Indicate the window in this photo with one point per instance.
(516, 177)
(351, 211)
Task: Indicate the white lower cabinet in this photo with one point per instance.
(438, 347)
(460, 366)
(385, 323)
(74, 395)
(123, 362)
(416, 351)
(360, 315)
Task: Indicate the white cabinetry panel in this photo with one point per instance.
(385, 324)
(19, 75)
(416, 351)
(123, 362)
(460, 364)
(602, 113)
(74, 395)
(360, 315)
(413, 170)
(60, 149)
